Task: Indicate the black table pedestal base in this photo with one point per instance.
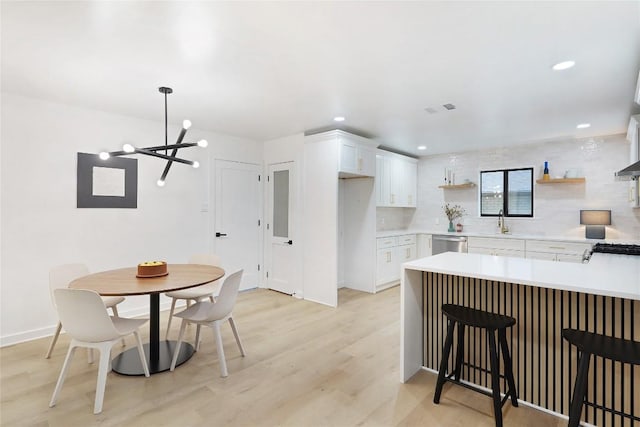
(128, 362)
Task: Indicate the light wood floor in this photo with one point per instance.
(306, 365)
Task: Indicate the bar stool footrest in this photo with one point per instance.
(471, 387)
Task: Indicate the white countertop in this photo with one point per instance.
(610, 275)
(391, 233)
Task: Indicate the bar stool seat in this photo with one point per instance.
(477, 318)
(589, 343)
(491, 322)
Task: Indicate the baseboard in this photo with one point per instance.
(385, 286)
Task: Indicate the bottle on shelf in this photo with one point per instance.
(545, 174)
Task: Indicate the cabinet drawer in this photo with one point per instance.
(407, 239)
(557, 247)
(386, 242)
(496, 243)
(549, 256)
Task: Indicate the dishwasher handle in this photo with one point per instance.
(451, 238)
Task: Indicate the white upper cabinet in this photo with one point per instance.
(383, 181)
(411, 181)
(396, 180)
(357, 157)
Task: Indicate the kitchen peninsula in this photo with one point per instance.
(601, 296)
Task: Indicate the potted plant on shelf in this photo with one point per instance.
(453, 212)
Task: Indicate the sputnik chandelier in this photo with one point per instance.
(128, 149)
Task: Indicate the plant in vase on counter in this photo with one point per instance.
(453, 213)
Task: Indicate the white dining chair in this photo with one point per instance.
(212, 314)
(60, 277)
(85, 318)
(197, 293)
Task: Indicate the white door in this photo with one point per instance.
(281, 262)
(237, 226)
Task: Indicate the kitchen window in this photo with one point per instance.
(507, 190)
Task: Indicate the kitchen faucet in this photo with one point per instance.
(503, 228)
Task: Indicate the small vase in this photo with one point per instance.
(451, 229)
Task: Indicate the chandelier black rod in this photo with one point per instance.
(173, 146)
(174, 153)
(156, 148)
(129, 149)
(166, 141)
(163, 156)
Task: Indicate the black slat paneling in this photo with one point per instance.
(544, 365)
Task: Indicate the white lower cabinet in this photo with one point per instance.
(392, 252)
(497, 246)
(387, 261)
(424, 248)
(556, 250)
(406, 253)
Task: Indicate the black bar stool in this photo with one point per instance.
(616, 349)
(492, 322)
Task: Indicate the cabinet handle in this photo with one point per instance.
(360, 165)
(556, 247)
(408, 253)
(393, 198)
(388, 256)
(410, 199)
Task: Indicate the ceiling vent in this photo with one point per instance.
(431, 110)
(449, 106)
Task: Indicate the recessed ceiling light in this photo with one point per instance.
(563, 65)
(583, 125)
(338, 119)
(422, 147)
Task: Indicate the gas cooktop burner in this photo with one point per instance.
(612, 248)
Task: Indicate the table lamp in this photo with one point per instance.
(595, 220)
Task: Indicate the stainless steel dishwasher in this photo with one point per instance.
(444, 243)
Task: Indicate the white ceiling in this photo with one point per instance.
(271, 69)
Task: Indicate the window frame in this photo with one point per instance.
(505, 193)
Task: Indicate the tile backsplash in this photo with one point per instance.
(556, 207)
(393, 218)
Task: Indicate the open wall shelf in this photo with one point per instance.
(562, 181)
(457, 186)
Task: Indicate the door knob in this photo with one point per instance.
(290, 242)
(220, 234)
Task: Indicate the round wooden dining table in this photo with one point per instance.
(123, 282)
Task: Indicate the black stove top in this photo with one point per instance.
(612, 248)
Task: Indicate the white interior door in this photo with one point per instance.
(281, 263)
(237, 230)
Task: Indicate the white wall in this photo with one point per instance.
(556, 207)
(41, 226)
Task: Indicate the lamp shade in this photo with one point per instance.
(595, 217)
